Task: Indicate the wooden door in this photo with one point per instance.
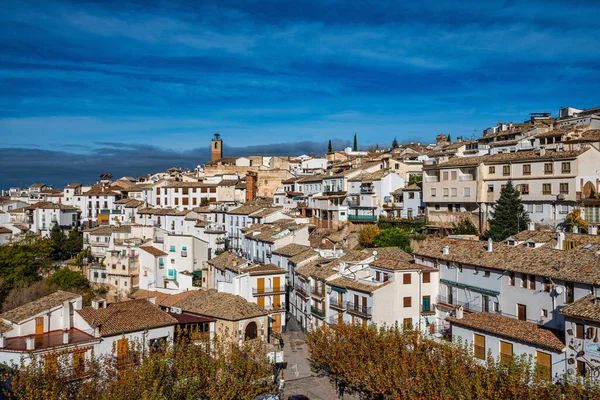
(276, 283)
(122, 351)
(356, 301)
(260, 301)
(39, 325)
(544, 363)
(260, 285)
(340, 299)
(364, 304)
(277, 302)
(506, 352)
(276, 324)
(521, 312)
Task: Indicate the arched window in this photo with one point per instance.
(251, 331)
(216, 145)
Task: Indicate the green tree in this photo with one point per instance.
(574, 218)
(66, 279)
(414, 179)
(57, 240)
(465, 227)
(367, 235)
(355, 145)
(329, 147)
(74, 243)
(393, 237)
(449, 139)
(394, 143)
(508, 216)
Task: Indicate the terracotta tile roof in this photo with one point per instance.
(109, 230)
(272, 231)
(5, 327)
(35, 307)
(579, 264)
(48, 205)
(227, 260)
(164, 299)
(354, 284)
(586, 308)
(291, 249)
(266, 212)
(126, 316)
(304, 256)
(584, 137)
(266, 269)
(221, 305)
(99, 191)
(371, 176)
(37, 185)
(190, 185)
(247, 209)
(4, 230)
(73, 186)
(153, 250)
(509, 328)
(162, 211)
(228, 182)
(510, 157)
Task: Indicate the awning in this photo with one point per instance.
(473, 288)
(337, 289)
(197, 273)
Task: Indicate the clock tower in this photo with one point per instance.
(216, 148)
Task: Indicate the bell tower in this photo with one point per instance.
(216, 147)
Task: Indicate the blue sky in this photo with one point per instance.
(99, 84)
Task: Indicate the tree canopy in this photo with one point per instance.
(414, 179)
(465, 227)
(508, 216)
(329, 147)
(393, 237)
(394, 143)
(355, 144)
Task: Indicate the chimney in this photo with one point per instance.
(446, 250)
(575, 229)
(561, 239)
(459, 312)
(542, 151)
(2, 341)
(65, 337)
(66, 317)
(98, 303)
(490, 245)
(592, 229)
(531, 226)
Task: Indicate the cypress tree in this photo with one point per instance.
(329, 147)
(355, 147)
(449, 139)
(394, 143)
(508, 216)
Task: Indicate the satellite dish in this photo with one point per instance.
(558, 290)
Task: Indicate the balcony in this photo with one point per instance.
(317, 292)
(158, 239)
(301, 290)
(362, 218)
(466, 178)
(276, 307)
(336, 304)
(367, 189)
(431, 179)
(358, 309)
(268, 290)
(317, 312)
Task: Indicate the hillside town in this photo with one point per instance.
(260, 246)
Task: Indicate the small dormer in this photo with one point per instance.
(98, 303)
(530, 243)
(511, 242)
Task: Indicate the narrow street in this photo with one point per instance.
(299, 378)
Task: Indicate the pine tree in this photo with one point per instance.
(355, 146)
(394, 143)
(329, 147)
(449, 139)
(57, 241)
(508, 216)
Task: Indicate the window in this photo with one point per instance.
(531, 282)
(544, 313)
(437, 207)
(564, 188)
(408, 302)
(486, 274)
(426, 277)
(445, 175)
(479, 346)
(453, 175)
(411, 195)
(492, 170)
(446, 192)
(172, 249)
(450, 207)
(565, 167)
(539, 208)
(406, 279)
(467, 192)
(453, 192)
(511, 279)
(407, 323)
(432, 192)
(581, 368)
(546, 188)
(544, 364)
(490, 189)
(524, 188)
(506, 353)
(506, 170)
(548, 168)
(378, 276)
(523, 280)
(526, 169)
(579, 328)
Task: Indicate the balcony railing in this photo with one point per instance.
(316, 291)
(336, 303)
(356, 308)
(466, 178)
(363, 218)
(276, 307)
(367, 189)
(317, 311)
(268, 290)
(159, 239)
(301, 290)
(432, 179)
